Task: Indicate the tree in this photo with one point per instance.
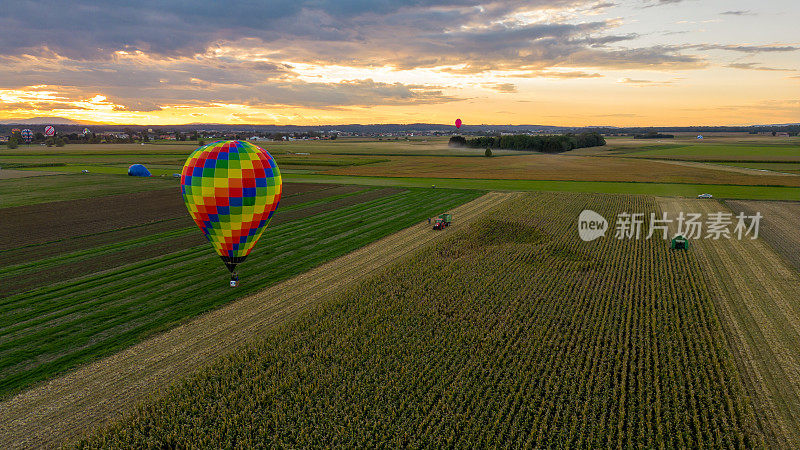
(201, 142)
(488, 152)
(59, 142)
(38, 136)
(13, 143)
(457, 141)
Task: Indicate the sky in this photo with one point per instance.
(327, 62)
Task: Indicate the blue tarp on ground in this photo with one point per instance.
(138, 170)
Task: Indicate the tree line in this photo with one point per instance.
(544, 144)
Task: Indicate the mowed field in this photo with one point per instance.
(565, 168)
(755, 290)
(84, 278)
(513, 330)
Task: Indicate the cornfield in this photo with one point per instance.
(512, 331)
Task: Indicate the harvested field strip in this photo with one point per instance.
(50, 329)
(779, 226)
(75, 403)
(512, 332)
(756, 293)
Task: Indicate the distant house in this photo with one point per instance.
(115, 134)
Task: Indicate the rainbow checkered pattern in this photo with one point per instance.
(231, 189)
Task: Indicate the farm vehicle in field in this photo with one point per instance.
(442, 221)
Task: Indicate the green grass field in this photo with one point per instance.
(660, 189)
(774, 167)
(725, 152)
(52, 329)
(720, 148)
(164, 159)
(32, 190)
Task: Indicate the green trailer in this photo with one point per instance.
(442, 221)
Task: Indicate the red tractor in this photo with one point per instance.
(442, 221)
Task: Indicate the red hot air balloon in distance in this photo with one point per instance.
(458, 123)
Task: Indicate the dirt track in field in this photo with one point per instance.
(780, 225)
(756, 294)
(16, 284)
(79, 402)
(45, 222)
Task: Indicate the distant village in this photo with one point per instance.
(59, 135)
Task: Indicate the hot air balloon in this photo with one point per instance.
(27, 135)
(138, 170)
(231, 189)
(458, 123)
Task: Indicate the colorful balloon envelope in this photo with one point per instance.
(458, 123)
(231, 189)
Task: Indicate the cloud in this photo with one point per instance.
(403, 33)
(755, 66)
(137, 105)
(662, 3)
(157, 55)
(568, 75)
(745, 48)
(602, 5)
(505, 88)
(176, 28)
(738, 13)
(38, 106)
(636, 82)
(299, 93)
(657, 57)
